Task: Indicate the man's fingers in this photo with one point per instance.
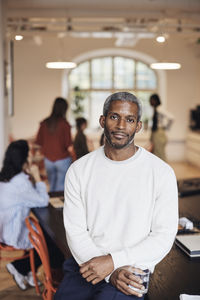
(136, 285)
(135, 278)
(84, 268)
(135, 281)
(91, 278)
(96, 280)
(86, 274)
(127, 289)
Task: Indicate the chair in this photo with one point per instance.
(37, 239)
(26, 253)
(7, 248)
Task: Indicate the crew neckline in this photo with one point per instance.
(126, 161)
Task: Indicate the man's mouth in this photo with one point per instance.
(119, 134)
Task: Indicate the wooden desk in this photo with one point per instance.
(51, 220)
(174, 275)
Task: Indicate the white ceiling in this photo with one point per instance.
(133, 16)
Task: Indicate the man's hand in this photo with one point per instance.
(97, 268)
(122, 277)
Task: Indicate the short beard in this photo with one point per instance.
(117, 146)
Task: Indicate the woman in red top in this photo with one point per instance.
(54, 137)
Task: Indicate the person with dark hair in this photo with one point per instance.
(120, 210)
(21, 189)
(54, 137)
(161, 122)
(80, 141)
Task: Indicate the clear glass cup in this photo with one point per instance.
(143, 273)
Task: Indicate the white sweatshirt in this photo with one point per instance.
(126, 208)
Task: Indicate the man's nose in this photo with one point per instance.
(121, 123)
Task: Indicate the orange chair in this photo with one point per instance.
(37, 239)
(7, 248)
(26, 253)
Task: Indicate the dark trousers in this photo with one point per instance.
(23, 265)
(55, 256)
(75, 287)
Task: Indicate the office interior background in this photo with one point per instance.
(113, 44)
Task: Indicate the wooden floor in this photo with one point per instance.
(8, 288)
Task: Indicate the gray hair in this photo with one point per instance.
(122, 96)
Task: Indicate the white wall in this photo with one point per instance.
(36, 87)
(3, 106)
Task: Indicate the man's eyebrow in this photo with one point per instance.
(128, 116)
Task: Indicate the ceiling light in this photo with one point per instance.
(160, 39)
(19, 37)
(60, 65)
(165, 66)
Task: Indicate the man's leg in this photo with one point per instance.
(106, 291)
(73, 286)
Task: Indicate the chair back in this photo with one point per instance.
(37, 239)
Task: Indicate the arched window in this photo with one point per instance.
(95, 79)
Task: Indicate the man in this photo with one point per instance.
(120, 210)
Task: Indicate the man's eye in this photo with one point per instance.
(113, 117)
(130, 120)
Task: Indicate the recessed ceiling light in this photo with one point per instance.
(165, 66)
(19, 37)
(60, 65)
(160, 39)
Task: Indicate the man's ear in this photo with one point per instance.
(102, 121)
(139, 126)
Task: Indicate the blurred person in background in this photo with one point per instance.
(80, 141)
(54, 137)
(21, 189)
(161, 122)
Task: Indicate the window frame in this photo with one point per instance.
(111, 90)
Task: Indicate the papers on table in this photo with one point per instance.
(189, 297)
(56, 202)
(189, 243)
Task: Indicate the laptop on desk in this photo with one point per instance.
(189, 243)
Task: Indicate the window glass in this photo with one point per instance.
(80, 107)
(99, 77)
(147, 111)
(124, 69)
(97, 101)
(80, 76)
(145, 78)
(101, 73)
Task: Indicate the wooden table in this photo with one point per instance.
(174, 275)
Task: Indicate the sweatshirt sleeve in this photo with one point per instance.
(80, 243)
(158, 243)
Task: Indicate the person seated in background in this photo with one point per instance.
(80, 141)
(162, 121)
(54, 137)
(20, 189)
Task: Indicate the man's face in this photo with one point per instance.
(120, 125)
